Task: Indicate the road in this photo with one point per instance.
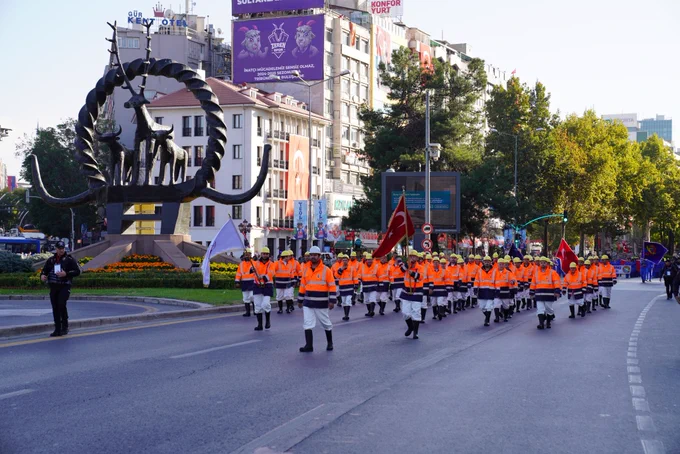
(607, 383)
(24, 312)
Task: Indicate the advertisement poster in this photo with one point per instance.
(426, 58)
(298, 172)
(386, 8)
(300, 218)
(265, 6)
(279, 46)
(320, 219)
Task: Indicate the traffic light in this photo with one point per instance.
(565, 217)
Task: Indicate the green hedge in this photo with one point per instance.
(13, 263)
(124, 280)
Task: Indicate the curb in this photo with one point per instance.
(198, 310)
(124, 299)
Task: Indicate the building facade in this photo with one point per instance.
(660, 125)
(254, 118)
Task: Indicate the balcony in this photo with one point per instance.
(276, 193)
(186, 132)
(281, 135)
(259, 132)
(276, 163)
(315, 170)
(198, 132)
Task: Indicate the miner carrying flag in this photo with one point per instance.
(400, 226)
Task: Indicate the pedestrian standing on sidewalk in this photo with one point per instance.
(58, 272)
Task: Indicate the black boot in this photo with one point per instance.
(410, 324)
(467, 301)
(415, 330)
(368, 310)
(346, 309)
(259, 322)
(329, 340)
(606, 303)
(441, 311)
(64, 328)
(372, 306)
(475, 302)
(588, 307)
(280, 307)
(456, 304)
(267, 316)
(397, 306)
(423, 313)
(549, 319)
(571, 311)
(309, 341)
(435, 312)
(450, 307)
(56, 333)
(497, 315)
(583, 310)
(487, 317)
(461, 306)
(599, 297)
(541, 321)
(382, 307)
(515, 307)
(247, 314)
(506, 314)
(524, 303)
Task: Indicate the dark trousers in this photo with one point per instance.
(669, 288)
(58, 297)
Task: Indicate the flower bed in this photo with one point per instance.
(136, 258)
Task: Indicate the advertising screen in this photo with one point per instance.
(272, 49)
(298, 173)
(444, 198)
(265, 6)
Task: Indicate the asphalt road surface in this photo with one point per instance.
(608, 383)
(26, 312)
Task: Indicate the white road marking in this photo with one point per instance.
(633, 361)
(632, 349)
(653, 447)
(634, 379)
(632, 355)
(633, 370)
(24, 312)
(16, 393)
(645, 424)
(640, 404)
(637, 391)
(214, 349)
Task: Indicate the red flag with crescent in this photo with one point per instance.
(400, 226)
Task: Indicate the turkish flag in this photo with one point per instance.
(566, 255)
(400, 226)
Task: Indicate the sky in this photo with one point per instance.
(614, 56)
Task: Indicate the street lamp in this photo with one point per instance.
(310, 208)
(245, 227)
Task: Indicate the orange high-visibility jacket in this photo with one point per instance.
(545, 285)
(317, 287)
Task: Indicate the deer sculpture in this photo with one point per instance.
(121, 158)
(171, 154)
(146, 126)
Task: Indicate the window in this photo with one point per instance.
(353, 111)
(259, 156)
(237, 182)
(237, 211)
(158, 120)
(329, 132)
(353, 136)
(355, 66)
(329, 174)
(329, 59)
(357, 43)
(329, 107)
(259, 126)
(128, 43)
(237, 152)
(329, 35)
(355, 89)
(363, 92)
(345, 37)
(345, 63)
(198, 216)
(354, 178)
(364, 44)
(329, 86)
(345, 132)
(345, 109)
(186, 126)
(210, 216)
(198, 125)
(364, 69)
(345, 86)
(198, 155)
(345, 176)
(188, 152)
(238, 121)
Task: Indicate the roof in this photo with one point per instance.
(230, 94)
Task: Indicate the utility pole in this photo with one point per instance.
(427, 159)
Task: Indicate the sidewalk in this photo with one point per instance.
(16, 311)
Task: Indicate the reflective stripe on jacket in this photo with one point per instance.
(317, 287)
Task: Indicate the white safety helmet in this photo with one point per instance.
(314, 250)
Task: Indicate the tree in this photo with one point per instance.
(61, 176)
(395, 137)
(11, 208)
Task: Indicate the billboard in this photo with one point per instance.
(426, 58)
(444, 198)
(320, 219)
(386, 8)
(265, 6)
(298, 172)
(300, 220)
(270, 50)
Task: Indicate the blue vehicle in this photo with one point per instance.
(19, 245)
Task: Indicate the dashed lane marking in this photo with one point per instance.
(214, 349)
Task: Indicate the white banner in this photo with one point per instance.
(386, 8)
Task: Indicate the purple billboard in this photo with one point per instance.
(267, 50)
(265, 6)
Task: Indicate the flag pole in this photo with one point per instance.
(403, 194)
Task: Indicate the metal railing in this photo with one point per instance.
(198, 132)
(186, 132)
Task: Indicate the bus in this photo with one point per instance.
(19, 245)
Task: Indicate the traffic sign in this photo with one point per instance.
(426, 228)
(427, 245)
